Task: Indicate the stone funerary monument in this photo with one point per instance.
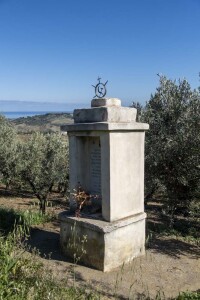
(106, 153)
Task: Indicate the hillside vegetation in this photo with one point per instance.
(50, 122)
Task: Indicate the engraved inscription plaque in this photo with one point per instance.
(95, 166)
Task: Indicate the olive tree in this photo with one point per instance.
(8, 151)
(44, 162)
(172, 143)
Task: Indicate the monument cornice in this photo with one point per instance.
(101, 126)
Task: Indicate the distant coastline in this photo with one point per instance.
(20, 114)
(15, 109)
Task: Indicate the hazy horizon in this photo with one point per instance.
(25, 106)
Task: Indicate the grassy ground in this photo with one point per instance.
(22, 275)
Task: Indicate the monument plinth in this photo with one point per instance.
(106, 154)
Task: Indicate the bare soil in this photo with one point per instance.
(170, 265)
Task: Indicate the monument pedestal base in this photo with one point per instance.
(100, 244)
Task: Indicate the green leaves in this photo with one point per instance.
(173, 141)
(8, 150)
(44, 163)
(41, 161)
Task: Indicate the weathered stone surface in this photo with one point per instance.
(105, 114)
(105, 102)
(85, 166)
(125, 166)
(108, 245)
(118, 174)
(105, 126)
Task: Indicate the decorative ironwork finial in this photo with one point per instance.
(100, 89)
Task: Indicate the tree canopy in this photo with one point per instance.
(39, 162)
(172, 143)
(8, 150)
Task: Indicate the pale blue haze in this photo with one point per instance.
(54, 50)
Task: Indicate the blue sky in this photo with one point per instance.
(54, 50)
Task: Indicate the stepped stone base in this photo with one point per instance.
(107, 245)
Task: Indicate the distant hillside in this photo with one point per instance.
(50, 122)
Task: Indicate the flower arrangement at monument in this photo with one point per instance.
(84, 200)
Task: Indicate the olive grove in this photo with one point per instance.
(40, 163)
(44, 164)
(172, 143)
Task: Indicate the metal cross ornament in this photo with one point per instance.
(100, 89)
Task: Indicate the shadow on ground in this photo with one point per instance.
(174, 248)
(6, 193)
(48, 244)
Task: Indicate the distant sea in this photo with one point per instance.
(20, 114)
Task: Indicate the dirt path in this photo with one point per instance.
(169, 266)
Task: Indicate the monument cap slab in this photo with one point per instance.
(105, 110)
(112, 114)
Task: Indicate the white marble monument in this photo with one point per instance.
(106, 153)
